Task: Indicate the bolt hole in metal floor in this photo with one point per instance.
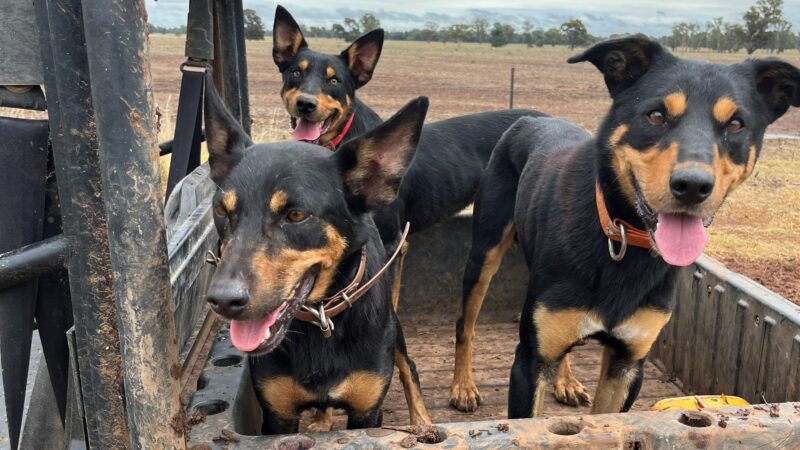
(429, 306)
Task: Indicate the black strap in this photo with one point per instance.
(186, 144)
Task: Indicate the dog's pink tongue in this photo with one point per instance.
(680, 238)
(247, 335)
(307, 130)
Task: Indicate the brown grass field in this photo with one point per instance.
(757, 232)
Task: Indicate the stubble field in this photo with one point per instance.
(757, 232)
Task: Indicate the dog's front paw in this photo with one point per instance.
(323, 421)
(569, 391)
(464, 395)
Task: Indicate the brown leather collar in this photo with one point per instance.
(345, 298)
(613, 229)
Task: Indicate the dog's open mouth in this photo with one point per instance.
(308, 131)
(263, 335)
(679, 237)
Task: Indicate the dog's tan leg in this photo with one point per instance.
(464, 395)
(417, 412)
(612, 389)
(323, 420)
(621, 375)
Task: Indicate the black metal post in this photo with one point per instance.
(75, 151)
(33, 260)
(119, 66)
(230, 64)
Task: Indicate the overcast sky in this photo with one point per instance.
(602, 17)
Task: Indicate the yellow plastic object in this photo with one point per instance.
(698, 402)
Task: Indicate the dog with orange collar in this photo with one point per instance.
(605, 222)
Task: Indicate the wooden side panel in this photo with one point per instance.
(731, 335)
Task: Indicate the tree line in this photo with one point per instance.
(763, 26)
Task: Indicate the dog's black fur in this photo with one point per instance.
(292, 218)
(540, 185)
(451, 155)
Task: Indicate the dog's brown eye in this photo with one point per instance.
(656, 117)
(296, 216)
(333, 81)
(296, 73)
(735, 126)
(220, 211)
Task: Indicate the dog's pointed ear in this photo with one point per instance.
(225, 138)
(287, 38)
(622, 61)
(777, 82)
(362, 56)
(373, 165)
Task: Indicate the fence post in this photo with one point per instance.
(511, 91)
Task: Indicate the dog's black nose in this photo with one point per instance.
(306, 103)
(691, 186)
(228, 298)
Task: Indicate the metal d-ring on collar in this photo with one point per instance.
(324, 322)
(614, 228)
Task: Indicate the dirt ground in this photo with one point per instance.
(757, 232)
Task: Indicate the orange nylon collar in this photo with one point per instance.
(335, 141)
(611, 228)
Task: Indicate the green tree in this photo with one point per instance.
(715, 31)
(430, 30)
(575, 33)
(527, 33)
(501, 34)
(479, 27)
(253, 26)
(459, 32)
(553, 37)
(758, 22)
(369, 22)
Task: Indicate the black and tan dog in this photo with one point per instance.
(296, 232)
(319, 93)
(604, 222)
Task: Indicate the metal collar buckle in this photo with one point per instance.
(324, 322)
(617, 228)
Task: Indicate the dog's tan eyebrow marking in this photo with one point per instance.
(616, 136)
(278, 201)
(303, 65)
(724, 109)
(675, 104)
(330, 72)
(229, 201)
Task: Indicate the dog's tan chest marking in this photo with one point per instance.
(558, 330)
(362, 390)
(285, 396)
(640, 330)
